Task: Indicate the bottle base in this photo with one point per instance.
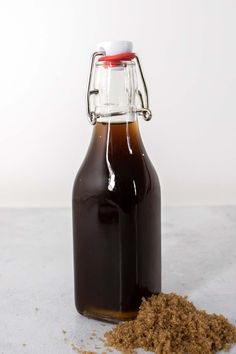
(109, 315)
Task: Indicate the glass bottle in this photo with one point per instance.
(116, 195)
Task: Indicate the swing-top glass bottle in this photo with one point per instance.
(116, 194)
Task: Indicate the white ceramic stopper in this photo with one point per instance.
(115, 47)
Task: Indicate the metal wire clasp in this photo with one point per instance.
(144, 110)
(92, 116)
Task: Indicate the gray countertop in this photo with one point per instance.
(36, 274)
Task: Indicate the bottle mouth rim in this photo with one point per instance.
(108, 64)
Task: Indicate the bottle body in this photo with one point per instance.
(116, 224)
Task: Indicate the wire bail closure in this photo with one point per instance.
(144, 110)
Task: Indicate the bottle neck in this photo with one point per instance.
(114, 145)
(116, 91)
(117, 138)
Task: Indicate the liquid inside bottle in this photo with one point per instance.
(116, 208)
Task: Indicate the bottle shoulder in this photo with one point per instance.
(133, 175)
(117, 163)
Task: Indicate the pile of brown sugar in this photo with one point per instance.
(169, 323)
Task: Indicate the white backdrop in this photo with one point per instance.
(188, 52)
